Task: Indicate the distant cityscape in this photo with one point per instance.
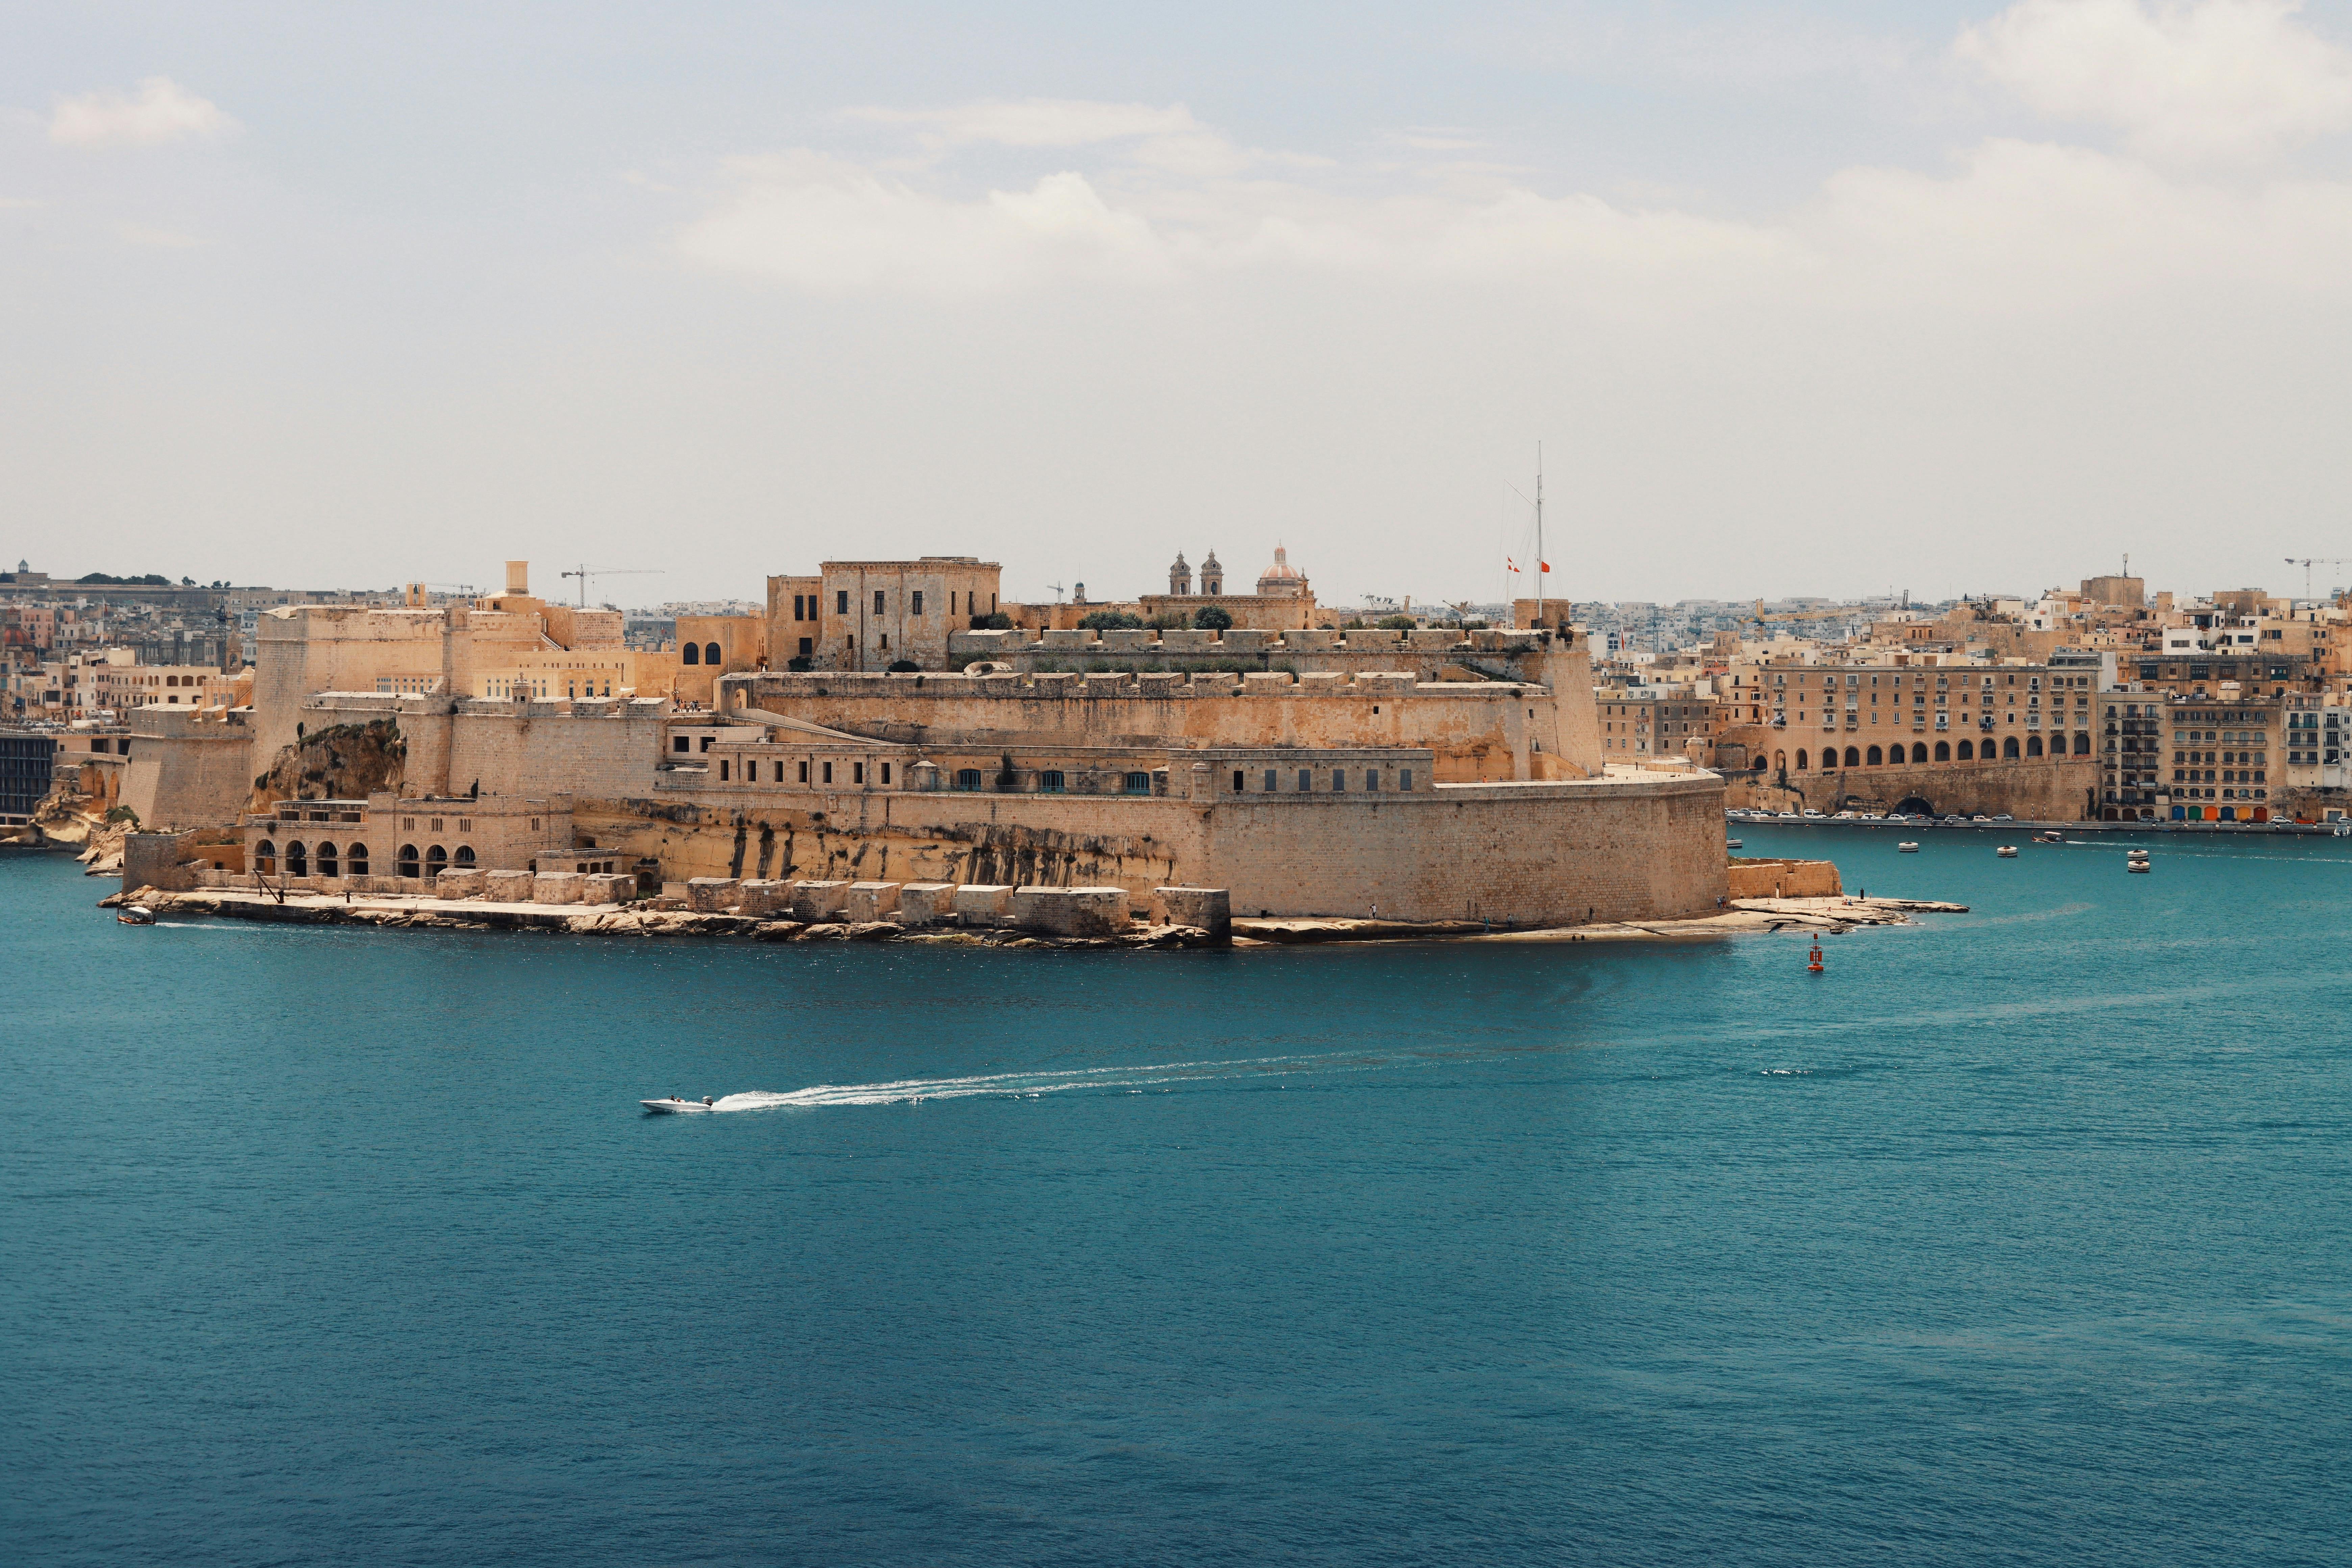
(2099, 701)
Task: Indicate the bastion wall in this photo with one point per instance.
(187, 770)
(1524, 854)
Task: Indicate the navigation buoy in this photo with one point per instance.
(1813, 965)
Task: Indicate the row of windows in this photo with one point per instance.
(1053, 781)
(804, 605)
(2228, 775)
(750, 771)
(1270, 781)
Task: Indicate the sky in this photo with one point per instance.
(1833, 299)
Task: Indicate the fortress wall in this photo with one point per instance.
(603, 750)
(1536, 856)
(1477, 732)
(2041, 789)
(1523, 853)
(333, 647)
(538, 749)
(184, 774)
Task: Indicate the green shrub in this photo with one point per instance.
(1212, 618)
(1109, 621)
(1397, 623)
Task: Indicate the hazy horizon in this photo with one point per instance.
(1802, 301)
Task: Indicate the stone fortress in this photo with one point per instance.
(897, 723)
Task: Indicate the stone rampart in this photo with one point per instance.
(187, 770)
(1528, 853)
(1209, 909)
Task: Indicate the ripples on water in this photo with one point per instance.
(2018, 1237)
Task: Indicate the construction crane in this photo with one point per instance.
(2308, 562)
(587, 572)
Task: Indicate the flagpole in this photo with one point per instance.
(1543, 562)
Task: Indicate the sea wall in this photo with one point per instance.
(1515, 854)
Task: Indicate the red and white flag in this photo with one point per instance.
(1510, 563)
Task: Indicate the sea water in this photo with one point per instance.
(2020, 1236)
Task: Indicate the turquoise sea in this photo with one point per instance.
(2018, 1236)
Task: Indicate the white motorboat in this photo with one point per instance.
(1733, 844)
(1908, 846)
(2007, 852)
(135, 915)
(678, 1105)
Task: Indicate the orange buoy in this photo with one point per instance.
(1814, 966)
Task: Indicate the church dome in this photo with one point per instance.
(1282, 578)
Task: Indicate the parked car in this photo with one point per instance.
(2003, 817)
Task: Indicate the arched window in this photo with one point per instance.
(967, 778)
(1943, 750)
(710, 653)
(1919, 751)
(408, 859)
(464, 855)
(692, 653)
(297, 859)
(1801, 761)
(265, 857)
(355, 860)
(1050, 780)
(1854, 756)
(1136, 783)
(327, 863)
(2007, 747)
(2034, 745)
(1875, 757)
(435, 860)
(2083, 745)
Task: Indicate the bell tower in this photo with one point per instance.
(1180, 578)
(1212, 577)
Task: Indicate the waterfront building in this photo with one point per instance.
(2221, 750)
(331, 844)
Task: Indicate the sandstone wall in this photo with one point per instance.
(187, 772)
(605, 749)
(1476, 732)
(1519, 854)
(1784, 879)
(2041, 790)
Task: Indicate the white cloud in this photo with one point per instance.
(161, 110)
(829, 226)
(2217, 79)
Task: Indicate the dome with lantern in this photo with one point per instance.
(1282, 580)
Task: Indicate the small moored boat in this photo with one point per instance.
(676, 1105)
(1908, 846)
(1732, 844)
(2007, 851)
(2137, 864)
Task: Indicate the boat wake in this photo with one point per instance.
(1031, 1085)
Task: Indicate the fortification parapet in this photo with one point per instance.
(925, 903)
(871, 900)
(711, 895)
(1071, 911)
(815, 902)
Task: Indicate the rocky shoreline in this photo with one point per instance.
(1829, 915)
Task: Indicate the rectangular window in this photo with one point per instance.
(1269, 781)
(1404, 779)
(805, 772)
(877, 601)
(857, 773)
(828, 773)
(807, 647)
(841, 602)
(1305, 780)
(1338, 781)
(915, 604)
(1371, 781)
(680, 744)
(722, 772)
